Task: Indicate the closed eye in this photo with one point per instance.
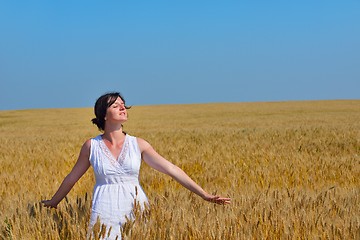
(115, 105)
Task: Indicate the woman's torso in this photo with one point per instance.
(117, 182)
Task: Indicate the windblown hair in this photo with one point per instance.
(101, 105)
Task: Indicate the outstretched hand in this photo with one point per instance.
(48, 204)
(218, 200)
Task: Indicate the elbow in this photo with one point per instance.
(173, 170)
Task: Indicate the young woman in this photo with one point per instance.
(116, 157)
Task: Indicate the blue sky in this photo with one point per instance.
(64, 54)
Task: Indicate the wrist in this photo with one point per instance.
(205, 195)
(53, 203)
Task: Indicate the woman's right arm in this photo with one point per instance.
(81, 166)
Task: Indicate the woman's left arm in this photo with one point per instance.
(156, 161)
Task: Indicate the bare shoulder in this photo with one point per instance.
(86, 146)
(87, 143)
(143, 144)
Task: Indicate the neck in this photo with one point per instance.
(114, 134)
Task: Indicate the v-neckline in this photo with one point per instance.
(108, 151)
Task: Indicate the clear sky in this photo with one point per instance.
(64, 54)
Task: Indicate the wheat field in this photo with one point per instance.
(292, 170)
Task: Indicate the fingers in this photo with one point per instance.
(223, 201)
(220, 200)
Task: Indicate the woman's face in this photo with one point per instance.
(116, 112)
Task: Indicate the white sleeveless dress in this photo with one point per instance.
(117, 184)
